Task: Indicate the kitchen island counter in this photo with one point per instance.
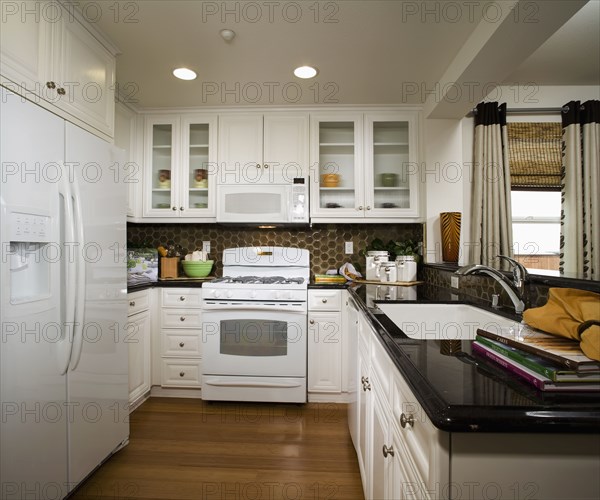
(461, 392)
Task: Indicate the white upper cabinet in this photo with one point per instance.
(50, 56)
(179, 166)
(365, 166)
(257, 148)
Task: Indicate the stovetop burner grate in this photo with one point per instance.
(260, 280)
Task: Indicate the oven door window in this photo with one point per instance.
(250, 337)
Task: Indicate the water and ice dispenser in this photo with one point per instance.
(29, 256)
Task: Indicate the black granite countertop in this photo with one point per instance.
(461, 392)
(195, 283)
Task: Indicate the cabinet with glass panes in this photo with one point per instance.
(180, 166)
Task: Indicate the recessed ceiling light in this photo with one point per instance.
(227, 34)
(305, 72)
(185, 74)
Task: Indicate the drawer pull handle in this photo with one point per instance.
(410, 420)
(132, 303)
(182, 298)
(388, 451)
(182, 318)
(324, 301)
(181, 344)
(182, 374)
(312, 321)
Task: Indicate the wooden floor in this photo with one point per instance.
(190, 449)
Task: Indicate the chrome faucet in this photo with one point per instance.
(514, 289)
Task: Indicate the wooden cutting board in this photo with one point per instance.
(394, 283)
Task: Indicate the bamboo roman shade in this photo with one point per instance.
(534, 156)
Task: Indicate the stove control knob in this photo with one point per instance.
(277, 295)
(216, 294)
(253, 294)
(229, 294)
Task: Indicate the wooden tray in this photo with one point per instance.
(394, 283)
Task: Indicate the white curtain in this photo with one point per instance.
(491, 228)
(580, 210)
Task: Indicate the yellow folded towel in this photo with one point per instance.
(570, 313)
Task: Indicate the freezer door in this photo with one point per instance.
(98, 373)
(33, 427)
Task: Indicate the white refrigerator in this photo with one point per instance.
(63, 351)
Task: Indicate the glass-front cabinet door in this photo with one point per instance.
(160, 177)
(199, 168)
(179, 166)
(391, 169)
(336, 166)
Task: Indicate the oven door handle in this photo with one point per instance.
(242, 383)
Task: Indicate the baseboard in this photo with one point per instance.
(323, 397)
(163, 392)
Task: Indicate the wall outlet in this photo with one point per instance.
(348, 248)
(206, 246)
(454, 281)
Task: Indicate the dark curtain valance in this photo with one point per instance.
(574, 112)
(490, 113)
(534, 156)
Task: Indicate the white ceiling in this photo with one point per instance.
(367, 52)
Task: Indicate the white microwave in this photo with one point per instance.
(263, 203)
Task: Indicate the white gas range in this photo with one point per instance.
(254, 326)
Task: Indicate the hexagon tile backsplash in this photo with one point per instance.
(324, 241)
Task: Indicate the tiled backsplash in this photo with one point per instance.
(324, 241)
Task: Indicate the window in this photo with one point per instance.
(534, 151)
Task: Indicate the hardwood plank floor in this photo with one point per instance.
(191, 449)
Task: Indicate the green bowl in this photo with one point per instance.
(197, 268)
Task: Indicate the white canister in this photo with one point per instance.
(387, 272)
(406, 268)
(374, 258)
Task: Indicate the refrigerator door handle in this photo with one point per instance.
(65, 345)
(80, 281)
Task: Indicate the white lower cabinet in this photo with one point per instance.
(181, 338)
(138, 337)
(325, 341)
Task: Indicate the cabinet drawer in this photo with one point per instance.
(324, 300)
(182, 297)
(180, 318)
(138, 302)
(181, 373)
(177, 343)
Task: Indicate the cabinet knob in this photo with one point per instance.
(61, 91)
(410, 420)
(182, 374)
(368, 208)
(181, 344)
(182, 298)
(257, 165)
(174, 208)
(312, 321)
(360, 208)
(266, 166)
(181, 208)
(388, 451)
(51, 85)
(132, 303)
(324, 301)
(182, 318)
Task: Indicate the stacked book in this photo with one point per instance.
(547, 362)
